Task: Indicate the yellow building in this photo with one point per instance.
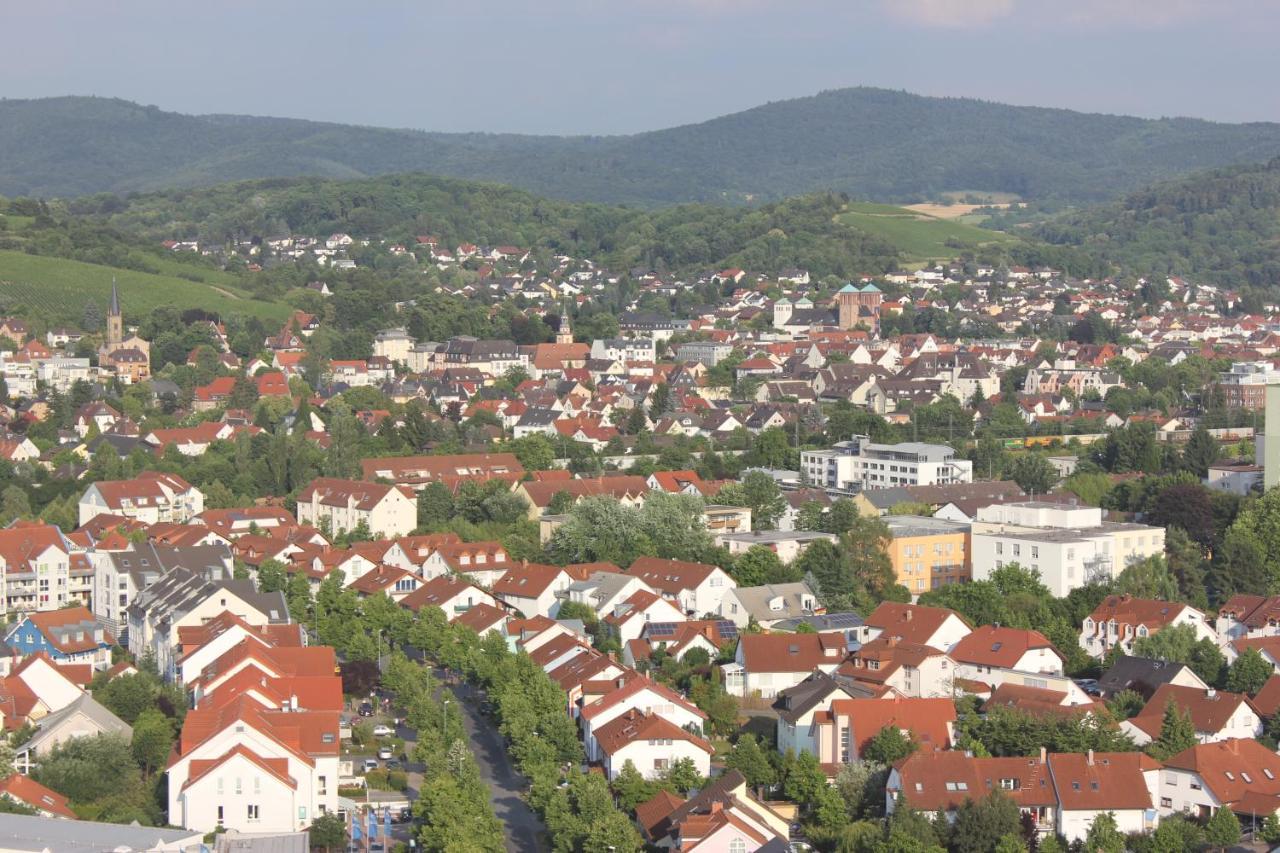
(928, 553)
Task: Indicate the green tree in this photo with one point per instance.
(435, 504)
(1223, 829)
(1104, 835)
(1180, 643)
(1270, 830)
(1248, 673)
(1201, 451)
(861, 784)
(980, 824)
(1177, 733)
(152, 740)
(14, 504)
(889, 746)
(756, 567)
(1032, 472)
(328, 831)
(804, 779)
(342, 459)
(271, 576)
(753, 763)
(683, 776)
(758, 492)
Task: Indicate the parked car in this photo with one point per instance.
(366, 709)
(385, 753)
(383, 730)
(370, 764)
(394, 764)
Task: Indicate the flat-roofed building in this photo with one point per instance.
(928, 553)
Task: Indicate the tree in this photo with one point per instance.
(1223, 829)
(805, 778)
(128, 696)
(1201, 451)
(342, 459)
(861, 783)
(271, 576)
(889, 746)
(1126, 704)
(1180, 644)
(758, 492)
(756, 567)
(1270, 830)
(152, 740)
(631, 788)
(91, 318)
(1032, 472)
(1248, 673)
(1177, 733)
(560, 503)
(1104, 835)
(328, 831)
(435, 504)
(13, 504)
(751, 761)
(980, 824)
(683, 776)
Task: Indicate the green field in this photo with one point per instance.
(57, 289)
(917, 236)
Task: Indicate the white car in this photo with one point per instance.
(370, 764)
(383, 730)
(385, 753)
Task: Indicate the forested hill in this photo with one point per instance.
(1221, 226)
(871, 143)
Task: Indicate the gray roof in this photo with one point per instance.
(766, 537)
(263, 842)
(84, 705)
(28, 832)
(146, 561)
(794, 702)
(755, 600)
(180, 590)
(1144, 675)
(922, 525)
(822, 622)
(602, 585)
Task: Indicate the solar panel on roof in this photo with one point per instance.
(727, 629)
(661, 629)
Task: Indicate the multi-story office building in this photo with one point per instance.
(861, 464)
(927, 553)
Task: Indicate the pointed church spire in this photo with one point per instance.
(114, 309)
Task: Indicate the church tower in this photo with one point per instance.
(115, 321)
(564, 335)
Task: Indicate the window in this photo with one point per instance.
(660, 763)
(257, 784)
(323, 784)
(253, 812)
(219, 784)
(1017, 549)
(1009, 784)
(237, 784)
(302, 813)
(737, 845)
(219, 815)
(1166, 803)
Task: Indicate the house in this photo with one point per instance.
(1244, 615)
(70, 635)
(992, 647)
(1090, 784)
(451, 593)
(723, 816)
(768, 663)
(200, 646)
(338, 506)
(697, 588)
(786, 544)
(483, 618)
(769, 604)
(631, 618)
(182, 597)
(605, 591)
(650, 743)
(1119, 620)
(121, 575)
(1240, 774)
(1216, 714)
(1146, 675)
(45, 802)
(39, 570)
(248, 769)
(887, 664)
(84, 717)
(844, 732)
(927, 553)
(150, 497)
(915, 623)
(938, 782)
(637, 693)
(796, 707)
(533, 589)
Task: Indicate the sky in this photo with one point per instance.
(622, 66)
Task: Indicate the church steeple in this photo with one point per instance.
(115, 320)
(564, 335)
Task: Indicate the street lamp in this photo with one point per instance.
(444, 719)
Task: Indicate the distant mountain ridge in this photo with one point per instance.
(871, 143)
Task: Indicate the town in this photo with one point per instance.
(970, 557)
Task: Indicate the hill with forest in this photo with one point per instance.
(871, 143)
(1221, 226)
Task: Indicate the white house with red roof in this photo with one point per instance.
(629, 618)
(36, 567)
(915, 623)
(842, 733)
(636, 693)
(1119, 620)
(697, 588)
(990, 649)
(533, 589)
(1240, 774)
(651, 743)
(336, 505)
(453, 594)
(199, 646)
(243, 768)
(150, 497)
(766, 664)
(1217, 715)
(46, 802)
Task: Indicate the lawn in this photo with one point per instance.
(57, 289)
(919, 237)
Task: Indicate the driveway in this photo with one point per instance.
(524, 830)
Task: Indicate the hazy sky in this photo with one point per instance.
(613, 66)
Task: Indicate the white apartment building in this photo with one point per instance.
(394, 344)
(340, 505)
(151, 497)
(1068, 545)
(861, 464)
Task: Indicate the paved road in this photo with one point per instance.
(524, 830)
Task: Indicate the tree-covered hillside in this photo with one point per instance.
(1221, 226)
(872, 143)
(797, 232)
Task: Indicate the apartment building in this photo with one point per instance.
(857, 464)
(1068, 545)
(927, 553)
(338, 505)
(151, 497)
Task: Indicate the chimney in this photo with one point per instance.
(907, 615)
(1211, 694)
(1089, 758)
(293, 702)
(1044, 755)
(716, 807)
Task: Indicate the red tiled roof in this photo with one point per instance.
(24, 789)
(998, 646)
